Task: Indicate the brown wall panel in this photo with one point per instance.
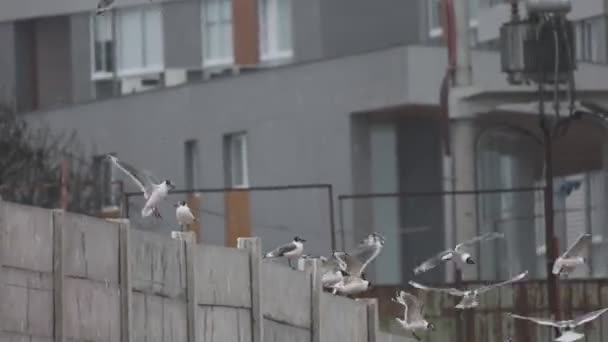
(238, 216)
(245, 32)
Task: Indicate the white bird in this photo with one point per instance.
(355, 262)
(565, 327)
(153, 193)
(413, 314)
(572, 257)
(470, 296)
(330, 269)
(458, 254)
(351, 285)
(184, 214)
(292, 250)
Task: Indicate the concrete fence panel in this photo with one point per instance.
(71, 278)
(343, 319)
(90, 264)
(159, 297)
(26, 282)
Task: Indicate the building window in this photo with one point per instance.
(275, 29)
(434, 15)
(236, 155)
(103, 46)
(217, 32)
(139, 42)
(191, 168)
(588, 33)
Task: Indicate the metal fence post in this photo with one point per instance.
(312, 266)
(254, 246)
(58, 219)
(332, 220)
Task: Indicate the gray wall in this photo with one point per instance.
(182, 30)
(300, 133)
(71, 277)
(349, 26)
(7, 64)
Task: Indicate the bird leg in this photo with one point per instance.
(289, 262)
(416, 336)
(156, 212)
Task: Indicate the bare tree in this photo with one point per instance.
(31, 162)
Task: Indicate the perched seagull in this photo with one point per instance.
(571, 259)
(470, 296)
(351, 285)
(565, 327)
(292, 250)
(458, 254)
(153, 193)
(184, 214)
(355, 262)
(413, 314)
(104, 6)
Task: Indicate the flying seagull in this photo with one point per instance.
(413, 314)
(470, 296)
(565, 327)
(458, 254)
(367, 250)
(292, 250)
(153, 193)
(184, 214)
(572, 257)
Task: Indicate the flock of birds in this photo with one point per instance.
(343, 272)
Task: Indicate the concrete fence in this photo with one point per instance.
(68, 277)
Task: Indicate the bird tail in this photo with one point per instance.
(268, 255)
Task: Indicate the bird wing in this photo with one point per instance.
(414, 305)
(540, 321)
(448, 290)
(578, 246)
(479, 238)
(506, 282)
(281, 250)
(134, 174)
(350, 264)
(431, 262)
(367, 251)
(332, 265)
(589, 316)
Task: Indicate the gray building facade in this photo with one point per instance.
(355, 104)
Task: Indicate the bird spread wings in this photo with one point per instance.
(413, 306)
(448, 290)
(350, 264)
(506, 282)
(332, 265)
(138, 178)
(578, 246)
(432, 262)
(541, 321)
(589, 316)
(357, 260)
(479, 238)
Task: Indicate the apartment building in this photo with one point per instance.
(60, 53)
(349, 97)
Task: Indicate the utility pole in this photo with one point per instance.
(463, 74)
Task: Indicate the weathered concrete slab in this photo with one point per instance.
(342, 319)
(385, 337)
(16, 337)
(27, 302)
(158, 264)
(90, 248)
(286, 295)
(27, 241)
(158, 319)
(216, 323)
(279, 332)
(223, 276)
(92, 311)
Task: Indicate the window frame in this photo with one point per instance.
(232, 139)
(215, 61)
(268, 15)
